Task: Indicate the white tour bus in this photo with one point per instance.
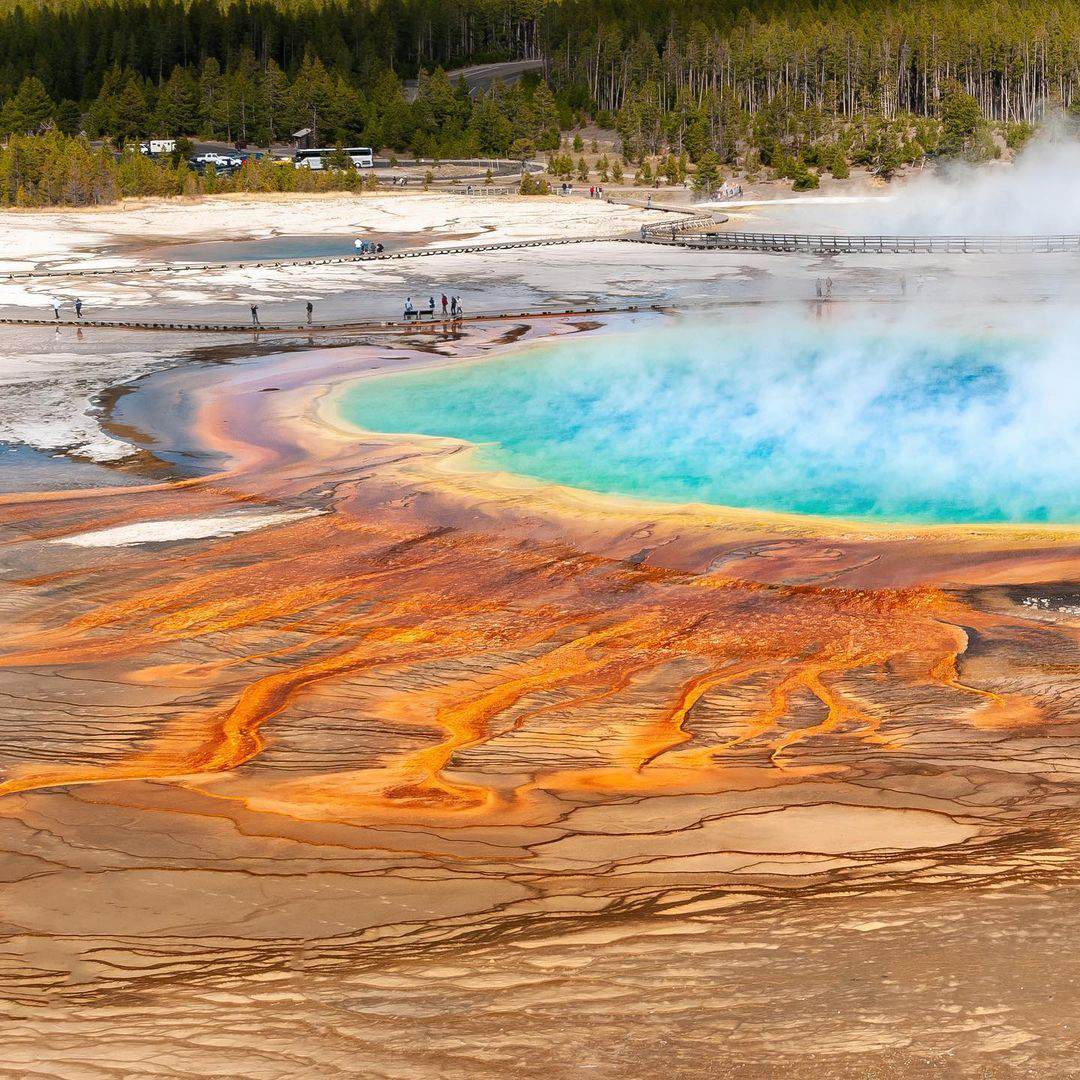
(362, 157)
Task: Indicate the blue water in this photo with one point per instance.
(275, 247)
(913, 425)
(23, 468)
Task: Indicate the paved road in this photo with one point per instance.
(480, 77)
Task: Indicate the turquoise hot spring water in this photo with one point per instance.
(885, 422)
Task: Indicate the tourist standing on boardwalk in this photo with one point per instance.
(817, 286)
(457, 300)
(255, 315)
(78, 308)
(444, 303)
(310, 309)
(410, 311)
(56, 308)
(453, 307)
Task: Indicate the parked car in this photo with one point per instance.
(223, 163)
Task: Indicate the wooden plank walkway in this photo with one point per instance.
(699, 231)
(436, 324)
(386, 256)
(880, 245)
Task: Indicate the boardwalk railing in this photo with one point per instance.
(373, 324)
(666, 231)
(481, 189)
(876, 245)
(333, 260)
(698, 231)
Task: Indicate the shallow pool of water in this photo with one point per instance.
(275, 247)
(24, 468)
(905, 423)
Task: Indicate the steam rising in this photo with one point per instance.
(906, 422)
(1037, 195)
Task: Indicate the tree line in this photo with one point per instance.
(859, 57)
(847, 57)
(790, 89)
(262, 105)
(55, 169)
(72, 44)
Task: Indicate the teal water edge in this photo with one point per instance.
(317, 246)
(905, 423)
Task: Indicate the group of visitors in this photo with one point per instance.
(596, 192)
(451, 306)
(368, 247)
(824, 289)
(309, 308)
(731, 191)
(57, 304)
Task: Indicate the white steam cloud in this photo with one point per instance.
(1039, 194)
(908, 420)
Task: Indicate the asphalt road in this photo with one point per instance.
(480, 77)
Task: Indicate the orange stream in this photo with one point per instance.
(465, 641)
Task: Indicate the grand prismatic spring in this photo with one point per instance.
(689, 692)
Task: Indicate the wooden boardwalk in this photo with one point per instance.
(436, 324)
(697, 230)
(386, 256)
(878, 245)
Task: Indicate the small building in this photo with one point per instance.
(304, 139)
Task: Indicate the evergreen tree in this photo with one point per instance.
(707, 178)
(490, 127)
(68, 117)
(546, 118)
(30, 110)
(961, 120)
(177, 108)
